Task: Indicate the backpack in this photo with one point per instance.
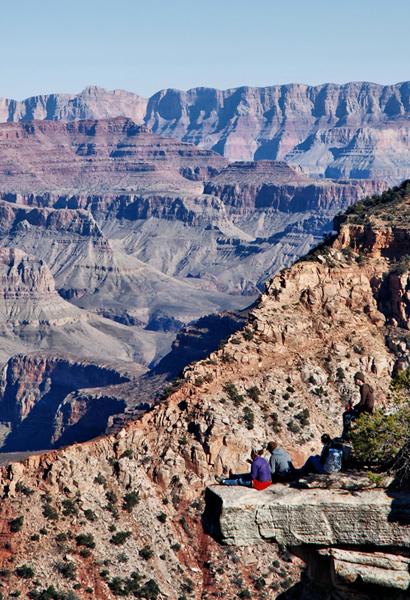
(333, 461)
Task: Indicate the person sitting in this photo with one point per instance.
(316, 463)
(260, 476)
(365, 405)
(347, 417)
(280, 464)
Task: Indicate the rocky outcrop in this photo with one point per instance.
(330, 130)
(355, 544)
(373, 518)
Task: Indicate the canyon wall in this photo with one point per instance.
(355, 130)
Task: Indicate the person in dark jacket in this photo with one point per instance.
(280, 464)
(260, 476)
(366, 404)
(316, 463)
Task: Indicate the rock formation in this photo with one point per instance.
(113, 155)
(47, 400)
(285, 375)
(34, 316)
(357, 130)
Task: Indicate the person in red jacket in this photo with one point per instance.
(260, 476)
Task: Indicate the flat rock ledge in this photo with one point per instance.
(376, 518)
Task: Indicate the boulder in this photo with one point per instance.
(318, 517)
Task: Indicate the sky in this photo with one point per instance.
(145, 46)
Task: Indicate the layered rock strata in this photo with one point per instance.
(357, 129)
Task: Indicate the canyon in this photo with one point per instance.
(152, 233)
(181, 278)
(126, 511)
(354, 130)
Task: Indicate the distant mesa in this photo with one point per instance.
(357, 130)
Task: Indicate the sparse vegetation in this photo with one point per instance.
(67, 569)
(24, 572)
(86, 540)
(16, 524)
(131, 500)
(233, 394)
(303, 417)
(128, 453)
(69, 508)
(51, 593)
(120, 537)
(100, 479)
(146, 553)
(90, 515)
(248, 417)
(49, 512)
(275, 423)
(22, 489)
(254, 393)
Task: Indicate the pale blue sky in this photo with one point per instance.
(62, 46)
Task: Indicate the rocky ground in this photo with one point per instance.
(122, 514)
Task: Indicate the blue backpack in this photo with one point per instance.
(333, 462)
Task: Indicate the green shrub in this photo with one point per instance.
(22, 489)
(275, 423)
(90, 515)
(340, 374)
(111, 497)
(131, 500)
(67, 570)
(24, 571)
(149, 590)
(303, 417)
(69, 508)
(293, 427)
(49, 512)
(248, 418)
(100, 479)
(146, 553)
(233, 393)
(85, 539)
(128, 453)
(16, 524)
(122, 557)
(120, 537)
(254, 393)
(51, 594)
(377, 438)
